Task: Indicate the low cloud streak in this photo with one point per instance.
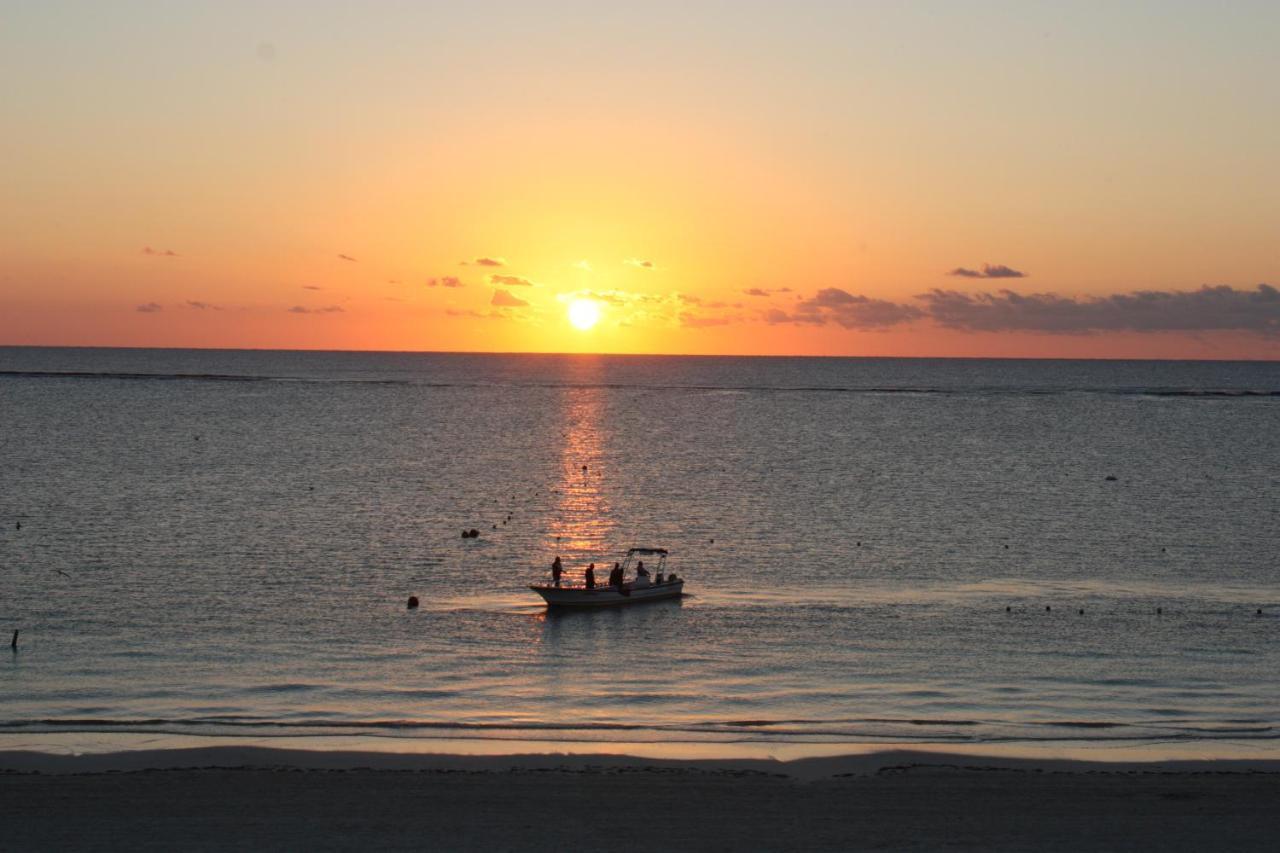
(988, 271)
(328, 309)
(1208, 309)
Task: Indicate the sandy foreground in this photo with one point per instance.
(265, 799)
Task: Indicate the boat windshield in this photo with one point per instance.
(657, 558)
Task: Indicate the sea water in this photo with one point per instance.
(876, 551)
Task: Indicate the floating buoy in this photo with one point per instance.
(1259, 611)
(1048, 609)
(475, 534)
(1081, 611)
(1110, 478)
(1159, 610)
(1008, 610)
(413, 602)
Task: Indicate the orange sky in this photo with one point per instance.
(722, 178)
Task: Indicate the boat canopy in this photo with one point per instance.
(642, 551)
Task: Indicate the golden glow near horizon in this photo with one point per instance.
(846, 179)
(584, 313)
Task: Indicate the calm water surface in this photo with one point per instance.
(223, 542)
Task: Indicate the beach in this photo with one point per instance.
(262, 799)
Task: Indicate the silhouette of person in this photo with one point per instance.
(590, 576)
(557, 569)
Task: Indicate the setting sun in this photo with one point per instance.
(584, 313)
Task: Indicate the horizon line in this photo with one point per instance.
(1276, 360)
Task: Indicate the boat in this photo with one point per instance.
(603, 595)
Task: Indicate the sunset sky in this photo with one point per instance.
(949, 178)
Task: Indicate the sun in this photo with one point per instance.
(584, 313)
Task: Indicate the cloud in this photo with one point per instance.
(694, 321)
(202, 306)
(150, 308)
(510, 280)
(639, 264)
(159, 253)
(505, 300)
(776, 316)
(831, 304)
(760, 291)
(1211, 308)
(312, 287)
(460, 312)
(445, 281)
(346, 257)
(328, 309)
(487, 262)
(988, 271)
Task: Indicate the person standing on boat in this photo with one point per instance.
(590, 576)
(615, 576)
(557, 569)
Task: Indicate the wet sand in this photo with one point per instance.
(219, 798)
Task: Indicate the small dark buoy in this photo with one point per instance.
(1110, 478)
(1008, 609)
(584, 468)
(1047, 609)
(1006, 547)
(413, 602)
(311, 488)
(466, 534)
(713, 541)
(494, 526)
(197, 438)
(1161, 550)
(19, 525)
(1259, 611)
(475, 534)
(859, 543)
(1081, 611)
(1159, 610)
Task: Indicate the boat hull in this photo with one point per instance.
(606, 596)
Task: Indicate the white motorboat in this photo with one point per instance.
(633, 591)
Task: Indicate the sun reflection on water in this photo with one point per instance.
(583, 521)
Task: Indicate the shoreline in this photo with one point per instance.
(832, 760)
(224, 798)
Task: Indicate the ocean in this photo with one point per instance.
(876, 551)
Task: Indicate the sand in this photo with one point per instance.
(261, 799)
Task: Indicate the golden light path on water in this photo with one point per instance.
(583, 522)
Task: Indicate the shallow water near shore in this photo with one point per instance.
(879, 552)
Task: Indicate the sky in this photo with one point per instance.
(996, 179)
